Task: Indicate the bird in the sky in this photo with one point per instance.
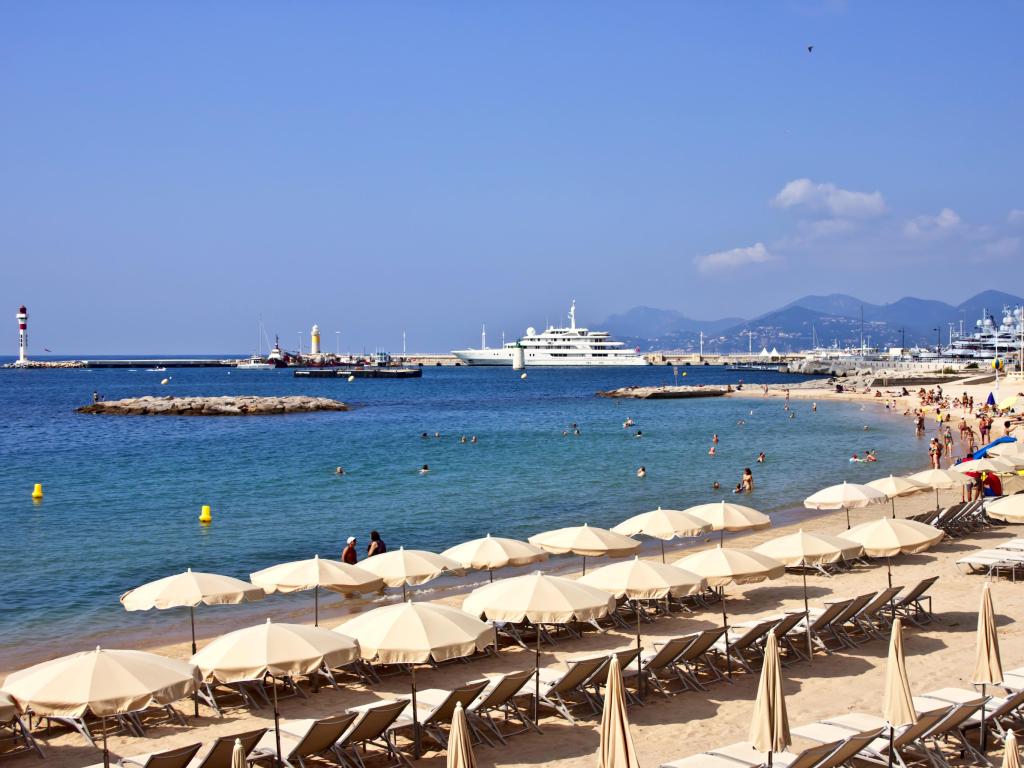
(810, 49)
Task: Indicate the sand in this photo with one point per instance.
(940, 655)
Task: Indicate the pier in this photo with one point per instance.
(359, 373)
(165, 363)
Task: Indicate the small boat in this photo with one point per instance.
(158, 369)
(256, 363)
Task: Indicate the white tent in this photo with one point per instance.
(775, 352)
(764, 352)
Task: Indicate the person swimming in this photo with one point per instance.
(462, 440)
(814, 407)
(424, 469)
(714, 438)
(473, 440)
(716, 485)
(856, 459)
(628, 423)
(761, 457)
(738, 488)
(711, 451)
(642, 472)
(639, 433)
(425, 436)
(339, 470)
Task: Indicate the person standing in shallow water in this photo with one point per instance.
(748, 480)
(349, 554)
(377, 545)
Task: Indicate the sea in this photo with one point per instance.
(123, 493)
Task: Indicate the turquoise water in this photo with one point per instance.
(122, 494)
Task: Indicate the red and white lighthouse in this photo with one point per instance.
(22, 335)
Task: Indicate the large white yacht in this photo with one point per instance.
(556, 346)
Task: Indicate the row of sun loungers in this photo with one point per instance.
(1004, 559)
(958, 520)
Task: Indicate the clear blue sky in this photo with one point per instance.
(168, 171)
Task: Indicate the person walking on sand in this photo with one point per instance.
(377, 545)
(349, 554)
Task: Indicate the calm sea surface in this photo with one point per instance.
(122, 494)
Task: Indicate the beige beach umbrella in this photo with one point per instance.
(845, 496)
(7, 709)
(238, 755)
(1007, 402)
(401, 567)
(278, 650)
(663, 524)
(769, 726)
(724, 516)
(639, 579)
(941, 480)
(492, 552)
(1009, 447)
(1014, 460)
(722, 566)
(104, 682)
(898, 702)
(586, 541)
(988, 667)
(1009, 509)
(1011, 753)
(301, 575)
(886, 537)
(539, 599)
(616, 748)
(893, 486)
(460, 743)
(996, 464)
(190, 589)
(416, 633)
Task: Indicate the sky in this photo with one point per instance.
(171, 172)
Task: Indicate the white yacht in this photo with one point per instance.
(556, 346)
(990, 338)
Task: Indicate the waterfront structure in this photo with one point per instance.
(314, 340)
(22, 335)
(566, 346)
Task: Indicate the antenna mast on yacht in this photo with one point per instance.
(483, 336)
(572, 315)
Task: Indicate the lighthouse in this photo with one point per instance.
(22, 335)
(314, 340)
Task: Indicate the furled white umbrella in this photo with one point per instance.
(988, 666)
(401, 567)
(539, 599)
(894, 485)
(104, 682)
(315, 573)
(941, 480)
(769, 726)
(416, 633)
(616, 742)
(898, 702)
(725, 516)
(845, 496)
(585, 540)
(663, 524)
(1009, 509)
(492, 552)
(460, 742)
(1011, 753)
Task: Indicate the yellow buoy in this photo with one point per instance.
(166, 381)
(37, 492)
(204, 514)
(351, 378)
(522, 376)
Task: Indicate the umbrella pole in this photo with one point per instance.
(584, 565)
(417, 745)
(981, 736)
(536, 676)
(195, 694)
(640, 651)
(106, 752)
(892, 736)
(490, 572)
(893, 507)
(403, 592)
(316, 606)
(725, 623)
(847, 511)
(277, 725)
(807, 619)
(663, 550)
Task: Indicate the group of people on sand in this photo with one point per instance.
(376, 547)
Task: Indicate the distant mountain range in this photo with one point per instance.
(821, 320)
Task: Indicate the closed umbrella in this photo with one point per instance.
(539, 599)
(724, 516)
(460, 743)
(238, 755)
(803, 550)
(103, 682)
(411, 567)
(190, 589)
(941, 480)
(638, 580)
(1011, 754)
(898, 703)
(1009, 509)
(663, 524)
(723, 566)
(845, 496)
(616, 749)
(416, 633)
(278, 650)
(893, 486)
(769, 727)
(301, 575)
(886, 537)
(585, 540)
(988, 667)
(492, 552)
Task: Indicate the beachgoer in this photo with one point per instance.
(576, 432)
(870, 456)
(473, 440)
(761, 457)
(738, 488)
(339, 470)
(96, 397)
(748, 480)
(642, 472)
(716, 485)
(714, 438)
(377, 545)
(814, 407)
(639, 433)
(437, 435)
(711, 451)
(855, 458)
(424, 469)
(349, 554)
(462, 440)
(425, 436)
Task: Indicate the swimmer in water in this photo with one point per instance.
(738, 488)
(642, 472)
(761, 457)
(716, 485)
(814, 407)
(339, 470)
(473, 440)
(627, 423)
(639, 433)
(424, 469)
(437, 435)
(425, 436)
(565, 433)
(711, 451)
(866, 427)
(462, 439)
(577, 432)
(740, 422)
(792, 415)
(714, 438)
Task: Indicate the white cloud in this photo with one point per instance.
(998, 250)
(827, 197)
(945, 222)
(737, 257)
(1016, 216)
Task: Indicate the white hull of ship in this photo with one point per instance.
(500, 357)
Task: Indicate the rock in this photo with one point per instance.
(244, 405)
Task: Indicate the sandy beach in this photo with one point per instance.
(942, 654)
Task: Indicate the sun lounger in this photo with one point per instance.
(172, 758)
(250, 692)
(745, 642)
(304, 738)
(15, 736)
(911, 605)
(992, 562)
(564, 690)
(435, 709)
(697, 657)
(847, 616)
(217, 756)
(1015, 545)
(500, 698)
(821, 628)
(998, 711)
(871, 619)
(783, 626)
(372, 726)
(657, 665)
(828, 755)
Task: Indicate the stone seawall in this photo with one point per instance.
(244, 405)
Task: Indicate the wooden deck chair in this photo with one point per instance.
(305, 738)
(372, 726)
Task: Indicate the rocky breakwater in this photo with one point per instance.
(665, 393)
(244, 405)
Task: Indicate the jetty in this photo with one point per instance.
(360, 373)
(665, 393)
(242, 405)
